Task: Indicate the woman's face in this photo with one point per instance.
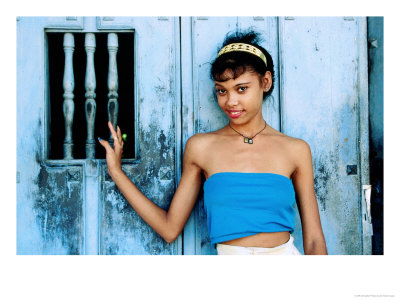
(241, 98)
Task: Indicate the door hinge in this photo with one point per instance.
(351, 169)
(373, 43)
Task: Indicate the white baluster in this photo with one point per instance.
(68, 85)
(90, 86)
(112, 106)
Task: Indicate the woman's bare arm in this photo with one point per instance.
(303, 182)
(168, 224)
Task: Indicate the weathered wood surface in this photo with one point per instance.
(49, 200)
(73, 207)
(103, 221)
(122, 230)
(320, 103)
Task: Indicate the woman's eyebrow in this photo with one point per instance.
(217, 84)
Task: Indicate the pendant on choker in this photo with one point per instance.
(248, 140)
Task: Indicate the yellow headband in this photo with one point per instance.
(245, 48)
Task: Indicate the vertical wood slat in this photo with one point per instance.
(112, 106)
(68, 85)
(90, 86)
(207, 114)
(363, 134)
(188, 121)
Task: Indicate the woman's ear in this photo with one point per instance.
(267, 81)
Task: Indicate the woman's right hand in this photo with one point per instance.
(113, 156)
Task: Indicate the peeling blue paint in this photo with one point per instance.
(316, 98)
(58, 211)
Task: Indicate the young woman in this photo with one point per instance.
(254, 173)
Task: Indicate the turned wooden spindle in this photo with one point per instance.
(90, 86)
(68, 85)
(112, 107)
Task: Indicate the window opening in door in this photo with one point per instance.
(82, 88)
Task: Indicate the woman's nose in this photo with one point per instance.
(232, 99)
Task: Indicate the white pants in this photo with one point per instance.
(287, 248)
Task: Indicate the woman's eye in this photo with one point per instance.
(242, 88)
(220, 91)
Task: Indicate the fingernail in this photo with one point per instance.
(100, 139)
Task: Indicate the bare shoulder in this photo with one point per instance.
(300, 147)
(199, 141)
(288, 141)
(297, 148)
(197, 145)
(296, 144)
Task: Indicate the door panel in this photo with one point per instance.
(49, 197)
(320, 103)
(122, 229)
(58, 210)
(84, 213)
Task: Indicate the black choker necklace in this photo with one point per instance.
(248, 140)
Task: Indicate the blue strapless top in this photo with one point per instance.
(243, 204)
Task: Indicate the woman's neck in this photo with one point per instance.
(250, 128)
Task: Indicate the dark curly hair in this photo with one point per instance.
(240, 62)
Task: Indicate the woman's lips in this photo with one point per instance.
(235, 113)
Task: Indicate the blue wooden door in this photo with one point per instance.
(324, 100)
(73, 207)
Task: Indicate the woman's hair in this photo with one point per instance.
(240, 62)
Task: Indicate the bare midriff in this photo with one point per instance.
(263, 239)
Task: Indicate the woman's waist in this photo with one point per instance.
(262, 239)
